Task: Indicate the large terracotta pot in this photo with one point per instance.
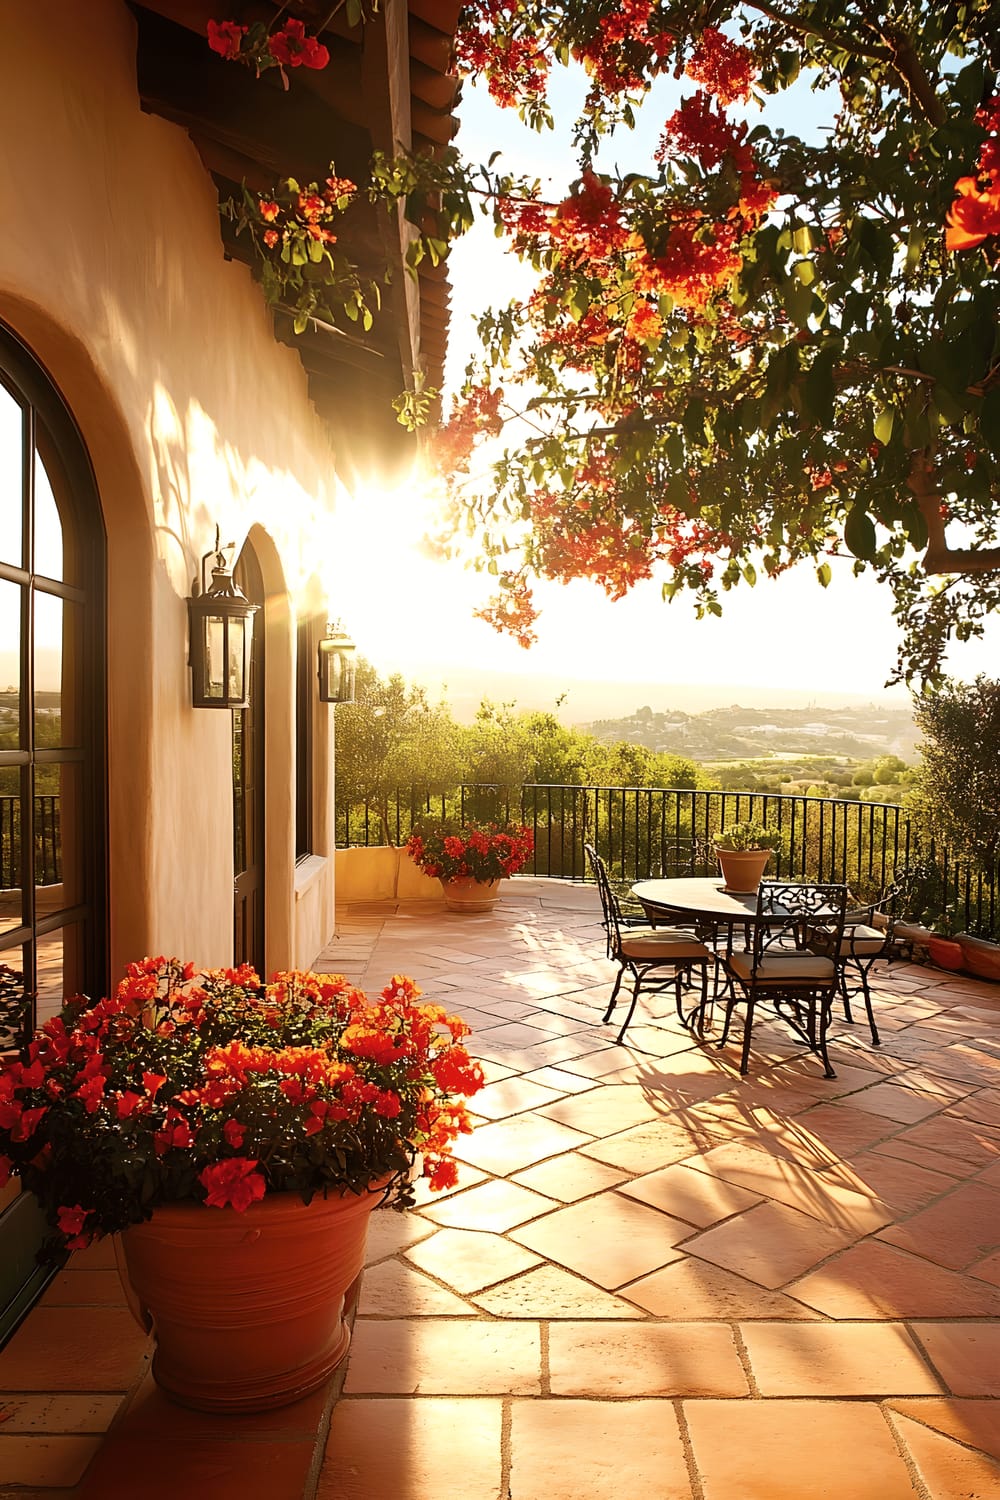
(742, 869)
(944, 952)
(247, 1309)
(980, 956)
(465, 893)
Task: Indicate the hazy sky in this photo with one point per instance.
(417, 619)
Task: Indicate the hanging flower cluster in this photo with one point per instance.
(214, 1088)
(293, 235)
(260, 48)
(484, 853)
(974, 217)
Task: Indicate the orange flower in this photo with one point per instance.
(974, 215)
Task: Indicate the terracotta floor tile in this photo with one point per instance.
(570, 1177)
(583, 1450)
(469, 1260)
(648, 1359)
(511, 1145)
(74, 1349)
(551, 1292)
(646, 1147)
(837, 1359)
(225, 1470)
(605, 1111)
(152, 1415)
(957, 1230)
(511, 1096)
(973, 1143)
(975, 1423)
(513, 1034)
(769, 1244)
(389, 1232)
(449, 1357)
(84, 1289)
(609, 1239)
(897, 1103)
(966, 1355)
(692, 1290)
(423, 1193)
(561, 1080)
(983, 1106)
(946, 1469)
(413, 1450)
(840, 1129)
(901, 1185)
(50, 1460)
(874, 1280)
(57, 1414)
(494, 1206)
(394, 1289)
(690, 1195)
(935, 1161)
(795, 1450)
(820, 1195)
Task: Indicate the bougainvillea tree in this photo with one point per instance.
(763, 350)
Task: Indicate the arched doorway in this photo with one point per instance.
(248, 785)
(53, 778)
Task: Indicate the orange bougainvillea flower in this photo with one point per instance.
(234, 1182)
(975, 214)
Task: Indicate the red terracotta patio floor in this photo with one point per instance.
(653, 1278)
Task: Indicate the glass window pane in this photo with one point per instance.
(58, 854)
(11, 479)
(10, 665)
(11, 899)
(48, 525)
(57, 651)
(14, 1004)
(59, 968)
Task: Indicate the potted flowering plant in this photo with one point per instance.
(235, 1133)
(470, 861)
(744, 851)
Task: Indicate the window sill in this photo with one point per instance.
(307, 872)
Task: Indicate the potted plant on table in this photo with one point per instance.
(743, 851)
(236, 1136)
(471, 860)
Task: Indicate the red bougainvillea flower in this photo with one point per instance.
(234, 1182)
(724, 68)
(226, 37)
(71, 1220)
(975, 214)
(293, 49)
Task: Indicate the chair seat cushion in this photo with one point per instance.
(663, 942)
(859, 941)
(783, 968)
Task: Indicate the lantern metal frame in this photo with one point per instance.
(221, 636)
(337, 665)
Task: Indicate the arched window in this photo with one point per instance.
(53, 865)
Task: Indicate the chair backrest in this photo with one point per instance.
(609, 901)
(792, 906)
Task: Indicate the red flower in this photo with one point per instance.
(234, 1133)
(226, 38)
(271, 238)
(974, 215)
(71, 1220)
(293, 49)
(234, 1181)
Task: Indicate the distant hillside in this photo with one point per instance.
(737, 733)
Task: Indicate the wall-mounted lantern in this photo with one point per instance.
(337, 654)
(221, 620)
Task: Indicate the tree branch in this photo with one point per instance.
(939, 557)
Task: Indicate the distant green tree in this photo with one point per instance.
(956, 785)
(888, 770)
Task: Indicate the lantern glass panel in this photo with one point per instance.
(215, 655)
(237, 659)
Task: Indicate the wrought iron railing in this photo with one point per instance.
(48, 844)
(652, 832)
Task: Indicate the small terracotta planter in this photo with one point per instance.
(465, 893)
(742, 869)
(944, 951)
(247, 1309)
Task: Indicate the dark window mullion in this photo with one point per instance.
(28, 901)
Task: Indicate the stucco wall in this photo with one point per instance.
(112, 270)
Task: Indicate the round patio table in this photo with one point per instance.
(705, 898)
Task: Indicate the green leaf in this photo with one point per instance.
(819, 388)
(859, 533)
(989, 420)
(883, 424)
(824, 573)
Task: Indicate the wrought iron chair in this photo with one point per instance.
(869, 934)
(775, 968)
(671, 953)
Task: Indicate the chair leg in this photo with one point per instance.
(747, 1030)
(866, 993)
(614, 996)
(826, 1006)
(702, 1007)
(635, 997)
(842, 982)
(679, 974)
